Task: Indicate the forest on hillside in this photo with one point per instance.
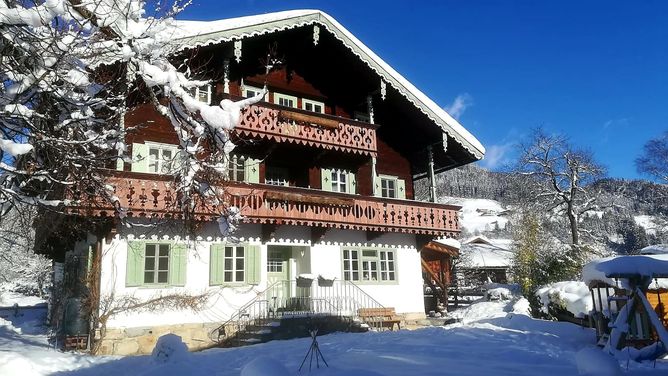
(634, 214)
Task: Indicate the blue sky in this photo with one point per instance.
(596, 71)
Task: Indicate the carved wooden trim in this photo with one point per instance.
(319, 131)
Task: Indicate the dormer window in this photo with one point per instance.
(285, 100)
(201, 93)
(313, 106)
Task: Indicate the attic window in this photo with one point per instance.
(313, 106)
(201, 93)
(250, 91)
(285, 100)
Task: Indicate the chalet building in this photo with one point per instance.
(323, 175)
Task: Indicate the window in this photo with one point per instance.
(275, 261)
(201, 93)
(369, 265)
(234, 264)
(162, 159)
(276, 176)
(339, 181)
(156, 263)
(388, 187)
(250, 91)
(285, 100)
(313, 106)
(236, 168)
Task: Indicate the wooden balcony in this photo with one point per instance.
(282, 124)
(138, 196)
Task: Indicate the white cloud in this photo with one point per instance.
(496, 156)
(459, 105)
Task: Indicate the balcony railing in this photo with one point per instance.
(282, 124)
(267, 204)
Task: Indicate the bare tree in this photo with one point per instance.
(559, 178)
(654, 159)
(69, 69)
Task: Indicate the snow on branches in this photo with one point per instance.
(67, 69)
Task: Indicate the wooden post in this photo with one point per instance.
(432, 178)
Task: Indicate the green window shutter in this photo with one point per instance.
(352, 183)
(377, 185)
(253, 265)
(134, 272)
(326, 179)
(139, 158)
(216, 260)
(178, 263)
(401, 188)
(252, 167)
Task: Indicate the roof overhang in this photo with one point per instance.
(190, 34)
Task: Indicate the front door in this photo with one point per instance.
(278, 274)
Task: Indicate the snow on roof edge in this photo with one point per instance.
(297, 18)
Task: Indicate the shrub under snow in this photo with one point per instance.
(169, 348)
(573, 296)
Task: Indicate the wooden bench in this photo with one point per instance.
(380, 317)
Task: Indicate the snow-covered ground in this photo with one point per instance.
(493, 338)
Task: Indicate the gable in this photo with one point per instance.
(198, 34)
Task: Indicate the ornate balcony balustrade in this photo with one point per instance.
(277, 205)
(308, 128)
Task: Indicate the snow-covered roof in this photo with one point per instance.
(657, 249)
(609, 268)
(449, 242)
(201, 33)
(493, 254)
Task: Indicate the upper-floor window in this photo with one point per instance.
(285, 100)
(276, 176)
(202, 93)
(236, 167)
(340, 181)
(388, 187)
(313, 106)
(250, 91)
(162, 158)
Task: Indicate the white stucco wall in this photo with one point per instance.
(321, 258)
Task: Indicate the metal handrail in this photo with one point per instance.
(291, 298)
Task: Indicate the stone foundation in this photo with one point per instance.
(138, 341)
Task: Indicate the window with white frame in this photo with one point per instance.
(340, 181)
(369, 265)
(388, 187)
(234, 264)
(236, 167)
(250, 91)
(156, 263)
(276, 176)
(162, 158)
(313, 106)
(285, 100)
(202, 93)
